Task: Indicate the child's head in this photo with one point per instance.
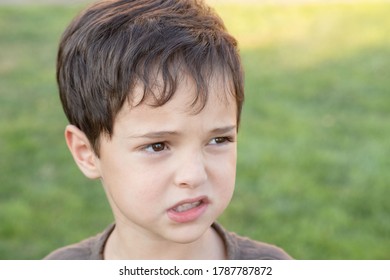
(115, 46)
(153, 91)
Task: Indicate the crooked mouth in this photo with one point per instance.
(188, 210)
(187, 206)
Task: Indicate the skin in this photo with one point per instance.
(159, 158)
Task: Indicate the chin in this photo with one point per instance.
(186, 234)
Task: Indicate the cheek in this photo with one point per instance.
(224, 171)
(230, 165)
(135, 197)
(136, 183)
(230, 174)
(224, 185)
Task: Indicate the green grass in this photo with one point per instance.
(313, 147)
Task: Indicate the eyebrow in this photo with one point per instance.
(223, 130)
(165, 133)
(155, 134)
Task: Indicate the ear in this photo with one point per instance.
(82, 151)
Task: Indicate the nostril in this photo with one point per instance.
(190, 172)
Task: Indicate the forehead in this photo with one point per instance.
(219, 109)
(195, 95)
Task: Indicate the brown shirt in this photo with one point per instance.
(237, 248)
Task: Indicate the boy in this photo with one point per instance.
(153, 91)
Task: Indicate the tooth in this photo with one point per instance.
(186, 206)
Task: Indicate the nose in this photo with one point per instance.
(191, 171)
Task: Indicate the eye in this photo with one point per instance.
(220, 140)
(156, 147)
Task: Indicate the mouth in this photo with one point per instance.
(187, 206)
(188, 210)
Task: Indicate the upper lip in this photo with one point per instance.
(202, 198)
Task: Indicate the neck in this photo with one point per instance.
(120, 246)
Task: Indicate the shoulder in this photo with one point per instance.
(88, 249)
(243, 248)
(79, 251)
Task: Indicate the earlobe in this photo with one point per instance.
(82, 151)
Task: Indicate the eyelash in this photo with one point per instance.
(153, 146)
(223, 138)
(158, 147)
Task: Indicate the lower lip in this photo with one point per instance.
(187, 216)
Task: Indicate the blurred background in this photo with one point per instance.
(314, 143)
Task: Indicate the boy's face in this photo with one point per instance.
(169, 173)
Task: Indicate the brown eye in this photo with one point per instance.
(220, 140)
(156, 147)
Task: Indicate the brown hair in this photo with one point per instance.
(114, 45)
